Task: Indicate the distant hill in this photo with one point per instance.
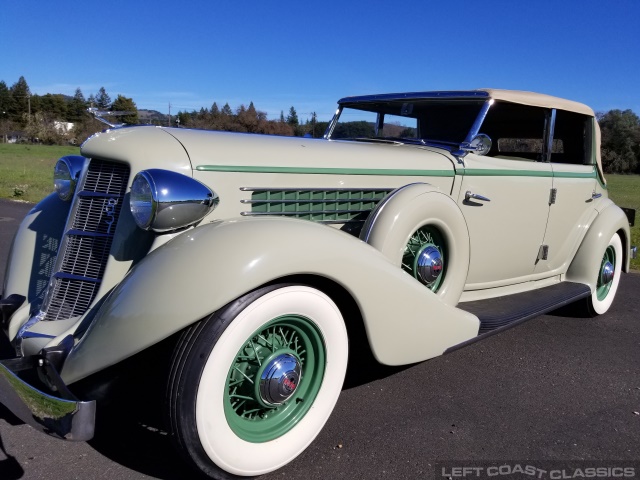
(147, 116)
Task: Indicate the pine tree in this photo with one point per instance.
(103, 100)
(77, 107)
(226, 110)
(292, 118)
(125, 104)
(5, 99)
(21, 99)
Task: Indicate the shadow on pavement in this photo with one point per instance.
(10, 469)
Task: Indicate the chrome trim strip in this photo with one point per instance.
(332, 124)
(87, 194)
(477, 124)
(277, 189)
(84, 233)
(69, 276)
(301, 214)
(549, 127)
(337, 200)
(463, 95)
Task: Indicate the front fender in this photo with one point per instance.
(205, 268)
(32, 255)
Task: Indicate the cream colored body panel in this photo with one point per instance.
(569, 216)
(142, 147)
(506, 232)
(200, 271)
(585, 264)
(33, 255)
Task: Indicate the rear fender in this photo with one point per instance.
(586, 264)
(205, 268)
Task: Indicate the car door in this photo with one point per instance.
(508, 227)
(574, 185)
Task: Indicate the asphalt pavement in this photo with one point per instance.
(553, 390)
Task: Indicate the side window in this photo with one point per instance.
(397, 126)
(516, 131)
(573, 133)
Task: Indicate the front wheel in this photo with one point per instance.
(252, 385)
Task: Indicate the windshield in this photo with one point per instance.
(417, 121)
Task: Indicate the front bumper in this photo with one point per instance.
(64, 417)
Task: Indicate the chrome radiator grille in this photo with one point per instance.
(85, 247)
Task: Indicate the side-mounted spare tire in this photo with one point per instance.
(423, 231)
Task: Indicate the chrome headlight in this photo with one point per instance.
(162, 200)
(66, 174)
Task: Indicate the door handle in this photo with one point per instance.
(468, 196)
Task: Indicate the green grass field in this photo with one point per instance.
(26, 173)
(625, 191)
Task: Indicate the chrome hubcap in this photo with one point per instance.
(429, 264)
(279, 379)
(606, 275)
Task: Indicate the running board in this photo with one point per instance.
(497, 313)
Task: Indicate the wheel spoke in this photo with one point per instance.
(243, 374)
(256, 352)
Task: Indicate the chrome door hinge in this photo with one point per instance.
(543, 253)
(552, 196)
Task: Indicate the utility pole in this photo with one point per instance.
(169, 122)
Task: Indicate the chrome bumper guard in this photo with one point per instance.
(67, 418)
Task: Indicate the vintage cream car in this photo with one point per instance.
(426, 220)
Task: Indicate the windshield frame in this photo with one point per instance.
(359, 103)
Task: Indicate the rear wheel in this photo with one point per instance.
(252, 385)
(608, 277)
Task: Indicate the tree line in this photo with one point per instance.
(43, 118)
(250, 120)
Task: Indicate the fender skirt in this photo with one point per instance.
(203, 269)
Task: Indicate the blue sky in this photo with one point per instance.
(310, 54)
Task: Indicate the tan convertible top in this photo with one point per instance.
(547, 101)
(538, 100)
(513, 96)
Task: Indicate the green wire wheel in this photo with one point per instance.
(424, 257)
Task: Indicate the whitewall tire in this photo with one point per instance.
(252, 385)
(606, 288)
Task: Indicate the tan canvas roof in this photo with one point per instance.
(538, 100)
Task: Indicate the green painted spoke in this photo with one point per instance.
(244, 397)
(243, 374)
(256, 352)
(250, 412)
(266, 341)
(286, 342)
